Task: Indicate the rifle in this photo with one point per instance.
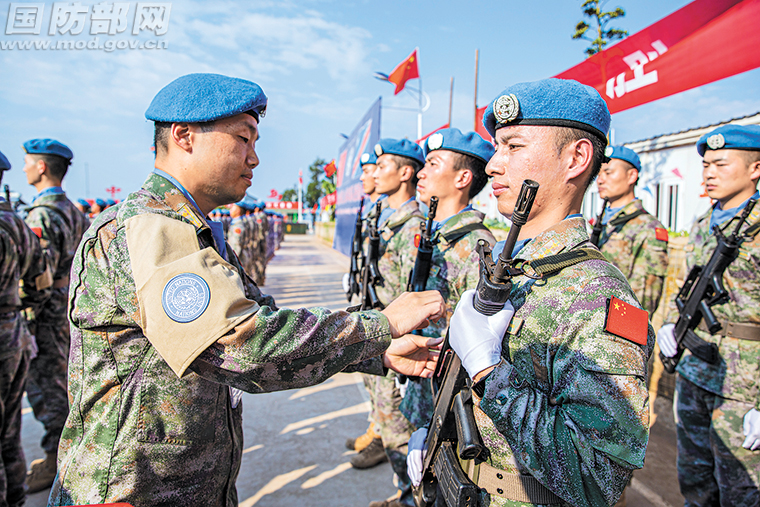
(354, 274)
(7, 194)
(453, 423)
(702, 290)
(371, 276)
(598, 226)
(419, 275)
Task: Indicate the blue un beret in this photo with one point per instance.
(84, 203)
(4, 162)
(402, 147)
(552, 102)
(368, 158)
(48, 147)
(453, 140)
(101, 203)
(730, 137)
(200, 98)
(623, 153)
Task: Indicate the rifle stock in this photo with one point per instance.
(702, 290)
(354, 274)
(371, 276)
(598, 226)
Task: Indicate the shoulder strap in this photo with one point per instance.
(556, 263)
(457, 234)
(753, 229)
(58, 211)
(624, 219)
(401, 222)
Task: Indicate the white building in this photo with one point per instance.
(670, 183)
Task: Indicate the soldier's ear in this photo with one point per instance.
(754, 171)
(181, 136)
(633, 176)
(463, 179)
(406, 172)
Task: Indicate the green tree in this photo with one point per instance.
(319, 185)
(290, 194)
(600, 35)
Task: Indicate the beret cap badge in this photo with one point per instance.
(506, 108)
(435, 141)
(378, 149)
(365, 158)
(716, 142)
(608, 151)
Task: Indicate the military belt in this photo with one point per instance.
(62, 282)
(512, 486)
(742, 331)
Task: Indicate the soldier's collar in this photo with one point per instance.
(567, 234)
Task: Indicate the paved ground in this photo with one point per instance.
(294, 440)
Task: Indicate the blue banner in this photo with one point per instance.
(349, 187)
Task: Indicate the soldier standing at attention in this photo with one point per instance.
(632, 239)
(718, 405)
(21, 260)
(238, 235)
(60, 226)
(260, 255)
(454, 171)
(560, 390)
(166, 329)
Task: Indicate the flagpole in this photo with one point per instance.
(419, 115)
(475, 109)
(451, 98)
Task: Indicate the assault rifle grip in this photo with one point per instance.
(598, 226)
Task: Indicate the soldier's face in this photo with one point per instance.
(729, 177)
(616, 178)
(368, 182)
(387, 175)
(438, 176)
(526, 152)
(226, 158)
(33, 169)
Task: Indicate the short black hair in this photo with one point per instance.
(478, 169)
(161, 131)
(567, 135)
(57, 165)
(401, 161)
(751, 156)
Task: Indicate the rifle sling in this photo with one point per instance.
(555, 263)
(457, 234)
(740, 330)
(619, 222)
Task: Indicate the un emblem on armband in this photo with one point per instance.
(716, 142)
(506, 108)
(185, 297)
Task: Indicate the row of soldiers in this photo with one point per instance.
(716, 404)
(36, 255)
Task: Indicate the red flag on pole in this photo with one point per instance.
(418, 141)
(704, 41)
(330, 168)
(405, 71)
(479, 128)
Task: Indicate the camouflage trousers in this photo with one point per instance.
(46, 386)
(713, 467)
(392, 426)
(14, 363)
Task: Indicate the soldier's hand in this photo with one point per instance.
(414, 310)
(413, 355)
(751, 430)
(666, 339)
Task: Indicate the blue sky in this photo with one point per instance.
(315, 60)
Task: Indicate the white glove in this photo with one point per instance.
(401, 387)
(476, 338)
(346, 282)
(751, 430)
(666, 339)
(415, 455)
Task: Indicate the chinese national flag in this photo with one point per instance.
(405, 71)
(627, 321)
(479, 127)
(330, 168)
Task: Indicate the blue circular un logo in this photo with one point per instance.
(186, 297)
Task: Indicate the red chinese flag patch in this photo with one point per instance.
(661, 234)
(37, 231)
(417, 239)
(237, 230)
(627, 321)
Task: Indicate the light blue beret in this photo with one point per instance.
(111, 202)
(553, 102)
(454, 140)
(368, 158)
(623, 153)
(101, 203)
(730, 137)
(84, 203)
(4, 162)
(48, 147)
(199, 98)
(402, 147)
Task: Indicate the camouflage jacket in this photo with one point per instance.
(238, 237)
(25, 278)
(568, 404)
(60, 226)
(639, 249)
(397, 250)
(737, 373)
(455, 268)
(153, 420)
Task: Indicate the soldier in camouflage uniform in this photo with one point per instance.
(60, 226)
(260, 255)
(718, 405)
(238, 235)
(253, 236)
(166, 328)
(560, 391)
(632, 239)
(21, 260)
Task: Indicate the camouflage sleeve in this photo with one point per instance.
(288, 349)
(649, 269)
(36, 275)
(51, 237)
(582, 438)
(397, 262)
(373, 366)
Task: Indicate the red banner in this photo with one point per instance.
(418, 141)
(286, 205)
(479, 128)
(705, 41)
